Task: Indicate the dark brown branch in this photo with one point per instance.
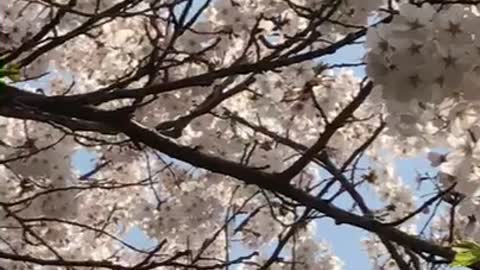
(330, 129)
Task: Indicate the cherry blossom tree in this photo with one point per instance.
(218, 126)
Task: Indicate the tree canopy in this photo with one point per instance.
(220, 130)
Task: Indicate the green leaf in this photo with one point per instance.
(12, 72)
(466, 254)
